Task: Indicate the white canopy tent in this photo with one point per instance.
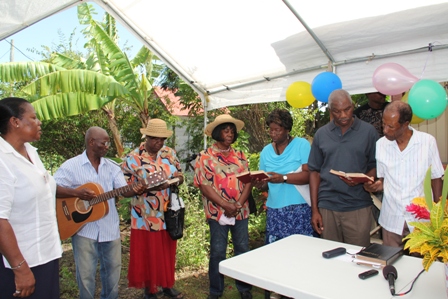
(249, 51)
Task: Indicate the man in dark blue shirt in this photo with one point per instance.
(341, 209)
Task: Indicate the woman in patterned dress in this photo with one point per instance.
(152, 251)
(224, 198)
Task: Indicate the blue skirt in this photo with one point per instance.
(286, 221)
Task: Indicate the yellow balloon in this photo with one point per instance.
(299, 94)
(415, 119)
(404, 98)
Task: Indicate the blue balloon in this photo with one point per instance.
(323, 84)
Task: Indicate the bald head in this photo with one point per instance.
(402, 109)
(95, 133)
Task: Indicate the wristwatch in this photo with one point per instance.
(285, 178)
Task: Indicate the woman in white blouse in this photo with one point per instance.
(30, 247)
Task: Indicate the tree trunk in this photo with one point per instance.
(144, 118)
(254, 117)
(116, 136)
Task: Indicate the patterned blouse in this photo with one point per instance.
(214, 169)
(147, 211)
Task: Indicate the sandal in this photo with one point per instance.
(172, 293)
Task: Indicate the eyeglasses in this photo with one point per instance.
(104, 143)
(156, 138)
(274, 131)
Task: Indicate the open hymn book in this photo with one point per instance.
(352, 176)
(247, 176)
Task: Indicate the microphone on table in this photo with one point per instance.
(390, 274)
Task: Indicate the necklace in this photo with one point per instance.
(276, 148)
(223, 150)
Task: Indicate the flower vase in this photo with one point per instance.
(446, 279)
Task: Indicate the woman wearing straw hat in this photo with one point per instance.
(152, 251)
(224, 198)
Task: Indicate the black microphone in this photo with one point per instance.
(390, 274)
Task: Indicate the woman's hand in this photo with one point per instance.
(25, 282)
(232, 209)
(180, 176)
(159, 187)
(139, 188)
(275, 178)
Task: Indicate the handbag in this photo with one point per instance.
(174, 219)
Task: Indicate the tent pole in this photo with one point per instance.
(204, 104)
(310, 31)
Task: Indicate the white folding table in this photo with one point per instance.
(294, 267)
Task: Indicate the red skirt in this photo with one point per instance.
(152, 260)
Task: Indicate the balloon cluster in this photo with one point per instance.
(301, 94)
(427, 98)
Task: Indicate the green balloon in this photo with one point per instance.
(427, 99)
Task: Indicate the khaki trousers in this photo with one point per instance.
(395, 240)
(347, 227)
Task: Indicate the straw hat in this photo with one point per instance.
(221, 119)
(156, 128)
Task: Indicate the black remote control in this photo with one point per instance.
(367, 274)
(334, 252)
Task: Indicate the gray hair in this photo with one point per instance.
(337, 95)
(93, 132)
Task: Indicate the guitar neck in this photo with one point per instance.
(154, 179)
(114, 193)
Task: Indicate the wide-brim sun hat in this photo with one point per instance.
(222, 119)
(156, 128)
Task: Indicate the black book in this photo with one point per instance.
(381, 254)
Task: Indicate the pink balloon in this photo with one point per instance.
(392, 78)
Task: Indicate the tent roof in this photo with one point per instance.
(249, 51)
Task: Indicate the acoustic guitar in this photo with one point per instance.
(73, 213)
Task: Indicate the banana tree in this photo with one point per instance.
(56, 91)
(68, 86)
(107, 57)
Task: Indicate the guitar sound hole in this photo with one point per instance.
(78, 217)
(82, 206)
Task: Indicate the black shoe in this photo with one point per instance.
(246, 295)
(213, 296)
(150, 296)
(172, 293)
